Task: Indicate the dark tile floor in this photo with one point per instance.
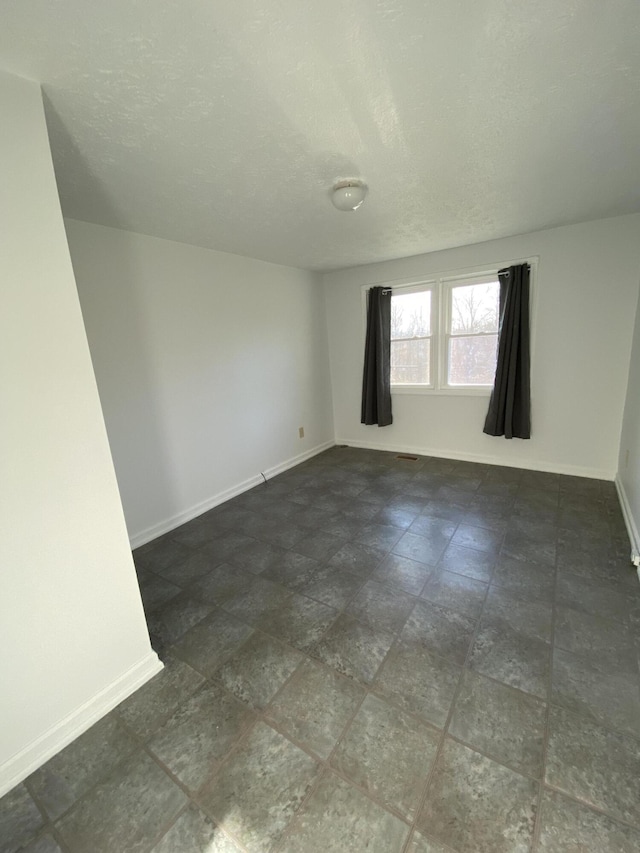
(371, 654)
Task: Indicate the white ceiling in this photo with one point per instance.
(224, 124)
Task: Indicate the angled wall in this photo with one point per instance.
(72, 629)
(628, 479)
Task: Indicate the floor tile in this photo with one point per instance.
(421, 548)
(170, 621)
(20, 819)
(467, 561)
(401, 573)
(45, 844)
(292, 570)
(208, 586)
(531, 618)
(526, 543)
(501, 722)
(380, 536)
(339, 818)
(69, 774)
(160, 555)
(333, 586)
(199, 734)
(503, 653)
(455, 592)
(267, 769)
(212, 641)
(221, 548)
(568, 827)
(541, 480)
(338, 524)
(352, 648)
(592, 764)
(184, 572)
(357, 558)
(315, 706)
(388, 754)
(319, 545)
(146, 709)
(478, 806)
(194, 832)
(431, 694)
(300, 621)
(397, 516)
(478, 538)
(126, 812)
(420, 844)
(221, 584)
(449, 510)
(155, 590)
(598, 599)
(284, 534)
(526, 580)
(445, 632)
(257, 557)
(258, 669)
(381, 607)
(438, 530)
(583, 685)
(263, 597)
(606, 640)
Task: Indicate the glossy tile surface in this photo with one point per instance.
(388, 754)
(370, 654)
(338, 817)
(501, 722)
(476, 805)
(267, 769)
(315, 706)
(125, 811)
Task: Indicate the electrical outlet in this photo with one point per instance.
(301, 432)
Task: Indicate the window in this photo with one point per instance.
(444, 333)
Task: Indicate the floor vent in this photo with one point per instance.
(407, 457)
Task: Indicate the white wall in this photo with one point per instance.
(72, 630)
(584, 300)
(207, 364)
(628, 479)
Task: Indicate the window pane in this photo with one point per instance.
(472, 361)
(411, 315)
(474, 308)
(410, 362)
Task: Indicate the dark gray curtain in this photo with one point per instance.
(376, 380)
(510, 406)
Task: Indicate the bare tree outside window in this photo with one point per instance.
(411, 338)
(473, 337)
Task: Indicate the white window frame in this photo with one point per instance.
(441, 286)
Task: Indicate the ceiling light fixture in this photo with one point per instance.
(348, 195)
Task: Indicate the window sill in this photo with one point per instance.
(440, 392)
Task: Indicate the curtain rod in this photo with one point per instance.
(506, 272)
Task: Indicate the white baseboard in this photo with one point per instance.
(629, 520)
(549, 467)
(44, 747)
(150, 533)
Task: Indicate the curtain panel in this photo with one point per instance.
(509, 411)
(376, 379)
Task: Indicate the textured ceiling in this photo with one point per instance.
(224, 124)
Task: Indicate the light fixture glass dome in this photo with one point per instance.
(348, 195)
